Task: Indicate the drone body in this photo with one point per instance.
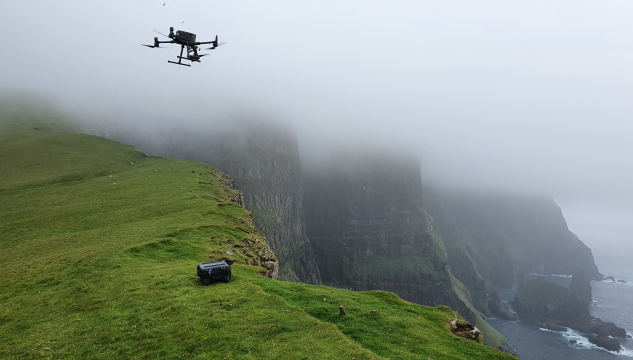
(188, 40)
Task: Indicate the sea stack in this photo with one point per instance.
(581, 286)
(545, 302)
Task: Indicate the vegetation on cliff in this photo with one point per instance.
(93, 266)
(263, 158)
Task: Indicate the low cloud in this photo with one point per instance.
(531, 96)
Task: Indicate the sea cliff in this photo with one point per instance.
(495, 239)
(369, 229)
(263, 158)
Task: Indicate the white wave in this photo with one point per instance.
(548, 330)
(557, 275)
(616, 283)
(535, 274)
(626, 352)
(583, 343)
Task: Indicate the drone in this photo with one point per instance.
(185, 39)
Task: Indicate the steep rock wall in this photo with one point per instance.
(263, 159)
(581, 286)
(474, 276)
(369, 230)
(504, 236)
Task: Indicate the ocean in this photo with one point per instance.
(612, 302)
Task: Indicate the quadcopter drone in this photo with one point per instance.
(183, 39)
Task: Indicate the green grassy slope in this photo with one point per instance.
(100, 267)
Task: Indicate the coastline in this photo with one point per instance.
(611, 303)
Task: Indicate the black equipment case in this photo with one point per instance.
(214, 271)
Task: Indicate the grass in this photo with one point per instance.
(98, 249)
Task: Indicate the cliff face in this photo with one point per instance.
(265, 163)
(468, 262)
(369, 230)
(264, 160)
(581, 286)
(506, 236)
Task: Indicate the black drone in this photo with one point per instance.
(183, 39)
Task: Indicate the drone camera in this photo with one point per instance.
(156, 43)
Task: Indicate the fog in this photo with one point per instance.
(520, 96)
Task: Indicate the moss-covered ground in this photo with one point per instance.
(98, 249)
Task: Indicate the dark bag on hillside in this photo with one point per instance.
(214, 272)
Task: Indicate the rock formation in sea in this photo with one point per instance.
(545, 302)
(608, 343)
(581, 286)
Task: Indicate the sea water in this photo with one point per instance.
(613, 302)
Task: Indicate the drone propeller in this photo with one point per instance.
(156, 44)
(220, 43)
(157, 47)
(158, 32)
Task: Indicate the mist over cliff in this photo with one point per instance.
(513, 96)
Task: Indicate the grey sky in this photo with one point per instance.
(530, 95)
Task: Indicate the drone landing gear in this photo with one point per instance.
(182, 48)
(178, 63)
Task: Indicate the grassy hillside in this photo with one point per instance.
(98, 249)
